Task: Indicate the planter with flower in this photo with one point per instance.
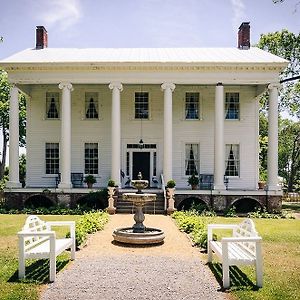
(193, 181)
(111, 187)
(90, 180)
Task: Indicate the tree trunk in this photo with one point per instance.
(294, 163)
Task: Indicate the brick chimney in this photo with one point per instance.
(244, 36)
(41, 37)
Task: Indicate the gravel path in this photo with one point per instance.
(104, 270)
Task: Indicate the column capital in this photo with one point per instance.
(274, 85)
(168, 85)
(67, 85)
(117, 85)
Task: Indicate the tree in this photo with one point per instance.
(289, 153)
(286, 45)
(4, 118)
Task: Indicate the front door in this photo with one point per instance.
(141, 163)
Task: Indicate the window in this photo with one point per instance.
(52, 105)
(91, 106)
(192, 106)
(232, 106)
(91, 164)
(232, 163)
(52, 158)
(191, 159)
(141, 105)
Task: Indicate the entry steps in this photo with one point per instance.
(155, 207)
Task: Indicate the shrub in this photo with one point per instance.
(90, 179)
(111, 183)
(94, 200)
(87, 224)
(261, 213)
(231, 212)
(195, 225)
(193, 180)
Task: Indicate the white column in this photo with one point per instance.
(219, 139)
(65, 136)
(168, 88)
(116, 88)
(14, 181)
(273, 138)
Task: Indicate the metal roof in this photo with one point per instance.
(144, 55)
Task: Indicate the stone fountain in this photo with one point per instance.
(139, 233)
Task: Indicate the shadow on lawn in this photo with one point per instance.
(38, 272)
(238, 279)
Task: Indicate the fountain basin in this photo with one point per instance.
(149, 236)
(139, 199)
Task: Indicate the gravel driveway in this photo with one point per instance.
(104, 270)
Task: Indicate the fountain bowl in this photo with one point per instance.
(139, 199)
(149, 237)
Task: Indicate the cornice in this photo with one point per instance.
(144, 68)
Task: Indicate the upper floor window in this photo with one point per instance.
(232, 163)
(192, 106)
(52, 105)
(141, 105)
(91, 161)
(91, 106)
(52, 158)
(191, 159)
(232, 106)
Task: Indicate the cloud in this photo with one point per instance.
(239, 15)
(61, 13)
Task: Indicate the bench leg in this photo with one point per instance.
(52, 272)
(73, 249)
(21, 259)
(226, 280)
(209, 253)
(259, 272)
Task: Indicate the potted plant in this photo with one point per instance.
(90, 180)
(171, 184)
(193, 181)
(111, 183)
(262, 179)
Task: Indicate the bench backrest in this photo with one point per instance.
(34, 224)
(246, 229)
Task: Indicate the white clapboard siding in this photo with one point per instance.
(243, 132)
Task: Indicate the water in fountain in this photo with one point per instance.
(138, 233)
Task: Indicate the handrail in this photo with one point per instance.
(164, 190)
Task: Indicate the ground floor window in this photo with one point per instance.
(232, 163)
(91, 158)
(191, 159)
(52, 158)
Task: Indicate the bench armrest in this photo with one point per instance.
(42, 233)
(210, 228)
(241, 239)
(71, 224)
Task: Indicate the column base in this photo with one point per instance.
(65, 185)
(13, 184)
(275, 187)
(220, 187)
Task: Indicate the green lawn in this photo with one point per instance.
(37, 274)
(281, 257)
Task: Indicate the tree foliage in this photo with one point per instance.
(286, 45)
(4, 118)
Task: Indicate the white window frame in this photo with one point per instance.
(45, 153)
(149, 105)
(49, 95)
(199, 105)
(184, 160)
(239, 105)
(84, 158)
(86, 104)
(236, 160)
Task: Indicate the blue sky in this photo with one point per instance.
(140, 23)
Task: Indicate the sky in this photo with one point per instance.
(140, 23)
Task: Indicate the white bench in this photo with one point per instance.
(36, 241)
(243, 248)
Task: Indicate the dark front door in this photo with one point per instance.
(141, 163)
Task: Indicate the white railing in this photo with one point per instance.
(164, 190)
